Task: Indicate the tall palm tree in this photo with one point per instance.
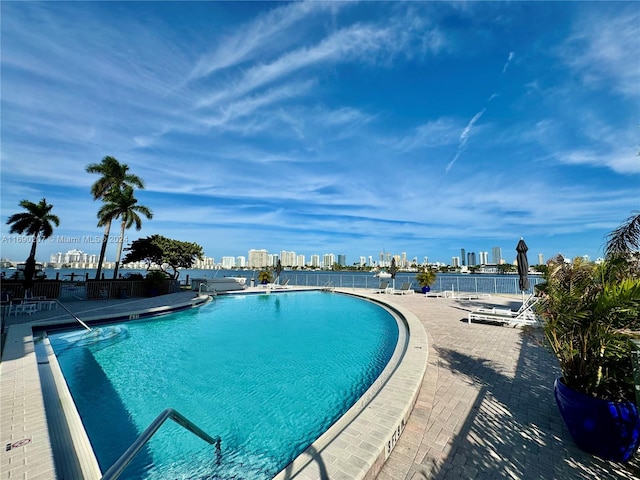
(113, 178)
(123, 205)
(36, 221)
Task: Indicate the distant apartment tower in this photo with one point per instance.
(484, 258)
(315, 261)
(288, 259)
(258, 258)
(228, 262)
(272, 259)
(207, 263)
(471, 259)
(403, 261)
(455, 262)
(301, 261)
(328, 259)
(342, 259)
(363, 261)
(540, 259)
(462, 256)
(496, 255)
(241, 261)
(371, 260)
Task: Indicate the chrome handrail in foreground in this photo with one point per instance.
(73, 315)
(126, 458)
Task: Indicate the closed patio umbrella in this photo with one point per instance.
(523, 265)
(278, 270)
(393, 270)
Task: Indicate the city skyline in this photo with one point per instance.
(293, 258)
(318, 127)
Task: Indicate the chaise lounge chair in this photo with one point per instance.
(523, 316)
(404, 289)
(282, 284)
(384, 286)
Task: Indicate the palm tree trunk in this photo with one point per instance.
(30, 265)
(119, 252)
(103, 249)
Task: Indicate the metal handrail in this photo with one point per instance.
(73, 315)
(118, 467)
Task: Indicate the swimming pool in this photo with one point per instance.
(267, 373)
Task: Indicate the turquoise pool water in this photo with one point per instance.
(267, 373)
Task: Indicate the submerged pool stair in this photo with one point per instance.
(126, 458)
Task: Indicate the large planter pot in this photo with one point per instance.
(610, 430)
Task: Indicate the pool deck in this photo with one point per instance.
(485, 409)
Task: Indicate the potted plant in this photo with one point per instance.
(590, 313)
(264, 277)
(426, 277)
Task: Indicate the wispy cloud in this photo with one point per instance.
(599, 50)
(259, 36)
(506, 65)
(464, 138)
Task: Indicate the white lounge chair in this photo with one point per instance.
(523, 316)
(282, 284)
(404, 289)
(384, 286)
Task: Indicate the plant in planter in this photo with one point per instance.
(264, 277)
(426, 277)
(590, 313)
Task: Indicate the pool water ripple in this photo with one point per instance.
(268, 374)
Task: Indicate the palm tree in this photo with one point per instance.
(36, 221)
(626, 238)
(123, 205)
(114, 178)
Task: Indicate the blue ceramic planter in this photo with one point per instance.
(610, 430)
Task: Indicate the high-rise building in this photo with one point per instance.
(315, 261)
(403, 261)
(76, 258)
(496, 255)
(363, 261)
(300, 261)
(258, 258)
(484, 258)
(455, 262)
(462, 256)
(540, 259)
(228, 263)
(207, 263)
(342, 259)
(328, 259)
(288, 259)
(241, 261)
(471, 259)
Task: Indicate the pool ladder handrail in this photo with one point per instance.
(73, 315)
(125, 459)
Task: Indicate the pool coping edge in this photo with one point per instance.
(358, 447)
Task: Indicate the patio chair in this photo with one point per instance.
(282, 284)
(404, 289)
(384, 285)
(523, 316)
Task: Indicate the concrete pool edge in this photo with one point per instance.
(26, 420)
(359, 443)
(360, 449)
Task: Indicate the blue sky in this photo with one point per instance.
(346, 128)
